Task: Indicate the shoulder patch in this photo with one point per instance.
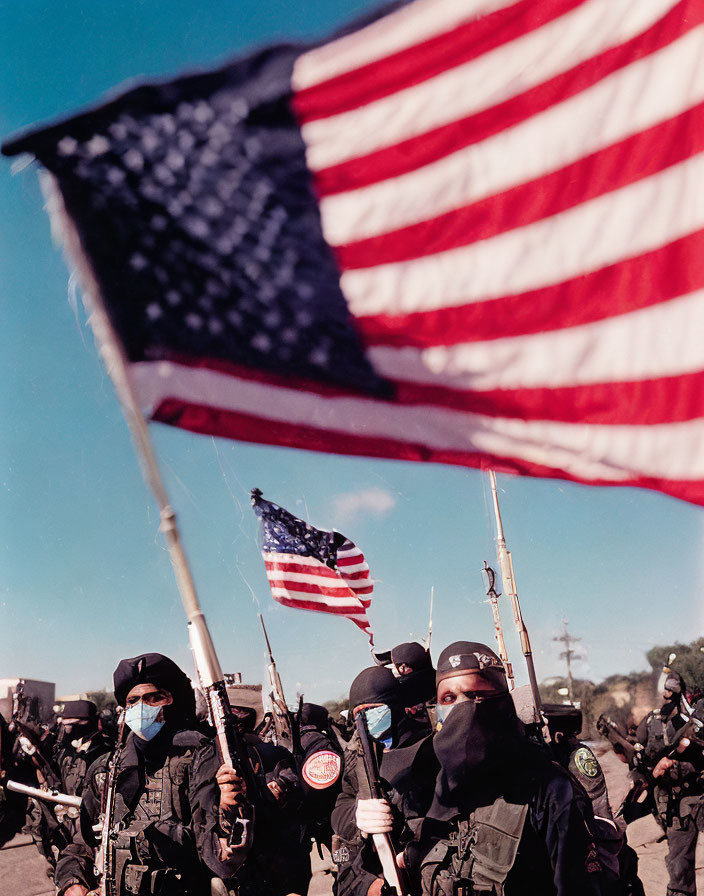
(322, 769)
(586, 762)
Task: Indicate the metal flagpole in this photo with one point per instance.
(116, 363)
(498, 627)
(506, 566)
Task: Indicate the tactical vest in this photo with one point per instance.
(657, 734)
(478, 856)
(138, 870)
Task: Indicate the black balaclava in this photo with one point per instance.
(87, 714)
(479, 741)
(417, 686)
(314, 716)
(377, 684)
(411, 654)
(159, 670)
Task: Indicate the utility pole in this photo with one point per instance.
(567, 654)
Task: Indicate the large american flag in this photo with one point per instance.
(311, 569)
(468, 231)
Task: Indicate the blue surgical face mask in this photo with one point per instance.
(379, 723)
(443, 711)
(141, 719)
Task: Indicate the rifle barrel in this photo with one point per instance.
(49, 796)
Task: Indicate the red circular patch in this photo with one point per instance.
(322, 769)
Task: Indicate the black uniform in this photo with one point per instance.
(166, 813)
(16, 767)
(679, 799)
(279, 859)
(319, 759)
(504, 818)
(53, 827)
(407, 767)
(168, 826)
(408, 779)
(618, 859)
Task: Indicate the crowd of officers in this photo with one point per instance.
(474, 800)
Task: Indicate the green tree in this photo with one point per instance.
(335, 707)
(688, 661)
(103, 699)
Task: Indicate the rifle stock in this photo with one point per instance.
(383, 843)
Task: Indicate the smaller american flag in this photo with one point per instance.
(311, 569)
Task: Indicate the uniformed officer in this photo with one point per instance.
(618, 859)
(407, 768)
(679, 798)
(504, 818)
(78, 745)
(170, 821)
(319, 758)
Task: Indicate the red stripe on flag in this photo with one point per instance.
(352, 577)
(673, 270)
(422, 61)
(625, 162)
(285, 566)
(247, 428)
(291, 566)
(671, 399)
(411, 154)
(350, 561)
(327, 591)
(303, 604)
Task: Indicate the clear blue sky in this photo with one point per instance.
(84, 575)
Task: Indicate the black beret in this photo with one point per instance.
(156, 669)
(412, 654)
(471, 656)
(79, 709)
(377, 684)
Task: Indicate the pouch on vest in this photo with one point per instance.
(133, 875)
(479, 855)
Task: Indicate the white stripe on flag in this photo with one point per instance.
(397, 31)
(618, 349)
(312, 579)
(627, 102)
(498, 75)
(350, 601)
(613, 453)
(627, 222)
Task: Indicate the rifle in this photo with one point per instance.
(382, 842)
(494, 596)
(230, 746)
(29, 746)
(49, 796)
(281, 715)
(610, 730)
(635, 804)
(105, 858)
